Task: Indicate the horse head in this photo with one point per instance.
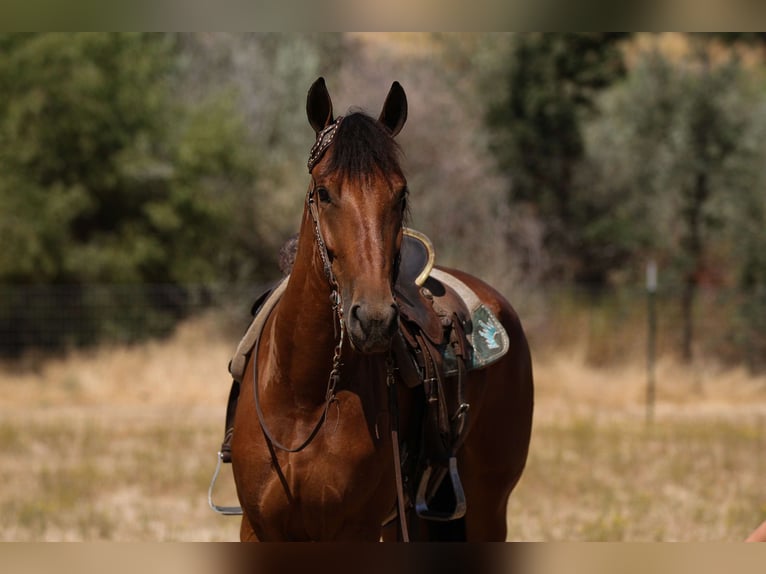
(358, 200)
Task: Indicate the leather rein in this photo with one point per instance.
(340, 334)
(324, 139)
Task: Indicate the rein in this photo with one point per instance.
(330, 397)
(324, 139)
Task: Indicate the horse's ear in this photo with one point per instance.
(319, 106)
(394, 112)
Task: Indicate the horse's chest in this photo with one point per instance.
(341, 485)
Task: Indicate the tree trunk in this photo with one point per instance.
(687, 314)
(694, 252)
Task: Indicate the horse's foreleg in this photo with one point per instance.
(246, 532)
(486, 517)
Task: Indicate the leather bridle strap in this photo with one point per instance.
(323, 141)
(327, 136)
(393, 408)
(340, 334)
(321, 245)
(329, 399)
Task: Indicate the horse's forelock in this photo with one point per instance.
(363, 146)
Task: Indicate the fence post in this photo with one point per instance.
(651, 294)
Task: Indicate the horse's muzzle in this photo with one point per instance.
(371, 326)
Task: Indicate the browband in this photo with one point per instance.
(324, 139)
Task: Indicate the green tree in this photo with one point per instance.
(709, 134)
(750, 322)
(107, 177)
(264, 77)
(679, 140)
(553, 83)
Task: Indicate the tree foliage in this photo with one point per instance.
(679, 144)
(106, 177)
(663, 158)
(178, 160)
(553, 83)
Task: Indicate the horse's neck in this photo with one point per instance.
(303, 337)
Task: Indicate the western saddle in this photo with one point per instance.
(444, 332)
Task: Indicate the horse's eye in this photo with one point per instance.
(323, 194)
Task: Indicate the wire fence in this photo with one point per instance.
(612, 324)
(60, 317)
(609, 324)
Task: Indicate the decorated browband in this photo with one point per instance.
(324, 139)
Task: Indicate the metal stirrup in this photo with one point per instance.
(421, 499)
(224, 510)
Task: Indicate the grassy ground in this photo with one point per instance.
(598, 471)
(119, 444)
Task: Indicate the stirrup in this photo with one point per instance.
(421, 504)
(224, 510)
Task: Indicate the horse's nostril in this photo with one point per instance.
(355, 313)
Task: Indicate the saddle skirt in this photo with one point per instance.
(428, 299)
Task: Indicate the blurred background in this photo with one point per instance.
(146, 177)
(147, 182)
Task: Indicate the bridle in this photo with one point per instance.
(340, 334)
(324, 140)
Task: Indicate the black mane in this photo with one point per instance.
(362, 145)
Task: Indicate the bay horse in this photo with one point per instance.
(312, 452)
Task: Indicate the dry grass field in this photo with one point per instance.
(119, 444)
